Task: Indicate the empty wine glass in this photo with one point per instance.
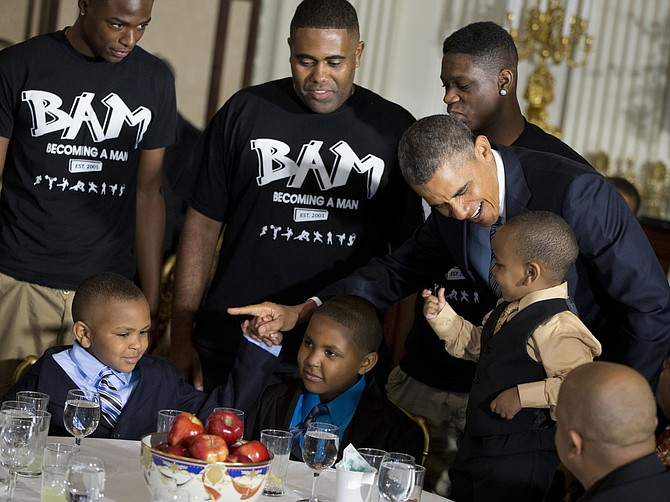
(85, 479)
(18, 444)
(82, 413)
(319, 450)
(396, 477)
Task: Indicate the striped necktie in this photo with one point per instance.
(299, 430)
(504, 315)
(110, 400)
(495, 287)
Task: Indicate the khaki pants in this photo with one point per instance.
(445, 413)
(32, 318)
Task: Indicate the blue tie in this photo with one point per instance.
(492, 280)
(110, 400)
(299, 430)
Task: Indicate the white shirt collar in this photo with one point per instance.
(500, 169)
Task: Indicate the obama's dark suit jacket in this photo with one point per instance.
(618, 285)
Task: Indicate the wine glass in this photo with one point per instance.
(396, 477)
(18, 444)
(85, 480)
(319, 450)
(82, 413)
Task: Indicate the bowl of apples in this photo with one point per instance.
(209, 461)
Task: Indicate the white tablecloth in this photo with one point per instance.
(125, 482)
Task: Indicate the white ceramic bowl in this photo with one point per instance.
(218, 481)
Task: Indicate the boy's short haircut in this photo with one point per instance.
(358, 315)
(325, 15)
(545, 238)
(100, 289)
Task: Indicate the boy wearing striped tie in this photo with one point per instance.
(111, 326)
(527, 345)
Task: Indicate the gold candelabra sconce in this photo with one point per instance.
(550, 36)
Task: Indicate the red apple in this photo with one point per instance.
(178, 449)
(255, 450)
(185, 428)
(226, 424)
(209, 448)
(240, 459)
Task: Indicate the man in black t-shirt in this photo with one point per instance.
(85, 116)
(301, 176)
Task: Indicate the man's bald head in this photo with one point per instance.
(609, 403)
(606, 417)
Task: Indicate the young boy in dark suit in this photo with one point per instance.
(111, 325)
(337, 353)
(527, 345)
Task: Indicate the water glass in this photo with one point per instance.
(18, 444)
(419, 476)
(165, 419)
(39, 399)
(54, 483)
(319, 450)
(85, 479)
(373, 456)
(396, 477)
(42, 420)
(18, 406)
(82, 413)
(59, 453)
(279, 444)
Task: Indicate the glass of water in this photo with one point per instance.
(82, 413)
(396, 477)
(319, 450)
(85, 479)
(279, 444)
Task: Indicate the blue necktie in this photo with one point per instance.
(492, 280)
(299, 430)
(110, 400)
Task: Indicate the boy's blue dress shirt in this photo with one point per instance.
(340, 410)
(85, 371)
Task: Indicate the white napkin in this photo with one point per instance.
(353, 461)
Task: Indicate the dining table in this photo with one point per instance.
(124, 480)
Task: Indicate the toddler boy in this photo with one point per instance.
(111, 325)
(527, 345)
(338, 351)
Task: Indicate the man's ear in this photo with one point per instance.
(576, 443)
(81, 333)
(359, 53)
(506, 80)
(533, 272)
(483, 147)
(367, 363)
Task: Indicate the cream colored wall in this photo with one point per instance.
(183, 33)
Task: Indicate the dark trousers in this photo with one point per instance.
(517, 477)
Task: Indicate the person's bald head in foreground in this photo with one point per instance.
(606, 418)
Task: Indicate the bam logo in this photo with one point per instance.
(48, 117)
(274, 164)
